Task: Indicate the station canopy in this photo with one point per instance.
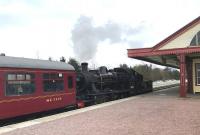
(184, 41)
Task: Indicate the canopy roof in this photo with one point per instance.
(165, 53)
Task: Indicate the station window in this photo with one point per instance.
(20, 84)
(70, 82)
(198, 74)
(53, 82)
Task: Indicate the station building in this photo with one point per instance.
(180, 50)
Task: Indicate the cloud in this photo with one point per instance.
(10, 20)
(86, 37)
(112, 55)
(28, 2)
(34, 3)
(49, 25)
(136, 43)
(16, 12)
(6, 19)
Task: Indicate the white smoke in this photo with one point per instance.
(86, 37)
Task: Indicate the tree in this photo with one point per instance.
(175, 74)
(62, 59)
(75, 64)
(123, 66)
(144, 70)
(155, 74)
(50, 59)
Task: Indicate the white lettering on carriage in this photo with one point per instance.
(54, 99)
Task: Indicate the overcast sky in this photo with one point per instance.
(96, 31)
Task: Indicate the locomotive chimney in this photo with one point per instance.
(84, 67)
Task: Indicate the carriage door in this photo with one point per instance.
(70, 83)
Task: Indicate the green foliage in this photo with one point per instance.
(75, 64)
(62, 59)
(155, 74)
(123, 66)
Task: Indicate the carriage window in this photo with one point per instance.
(20, 76)
(53, 82)
(19, 84)
(11, 77)
(70, 82)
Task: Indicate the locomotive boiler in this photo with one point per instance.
(95, 86)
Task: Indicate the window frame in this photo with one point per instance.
(71, 82)
(196, 40)
(32, 80)
(50, 74)
(196, 74)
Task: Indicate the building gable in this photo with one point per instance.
(183, 40)
(179, 36)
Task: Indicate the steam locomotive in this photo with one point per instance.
(96, 86)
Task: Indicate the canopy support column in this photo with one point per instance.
(182, 63)
(189, 71)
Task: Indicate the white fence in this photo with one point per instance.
(158, 84)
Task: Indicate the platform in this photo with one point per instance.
(161, 113)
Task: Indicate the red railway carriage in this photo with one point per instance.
(30, 85)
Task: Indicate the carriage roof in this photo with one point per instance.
(16, 62)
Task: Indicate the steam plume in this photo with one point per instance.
(86, 37)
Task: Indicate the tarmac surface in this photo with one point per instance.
(158, 113)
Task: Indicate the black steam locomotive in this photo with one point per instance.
(97, 86)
